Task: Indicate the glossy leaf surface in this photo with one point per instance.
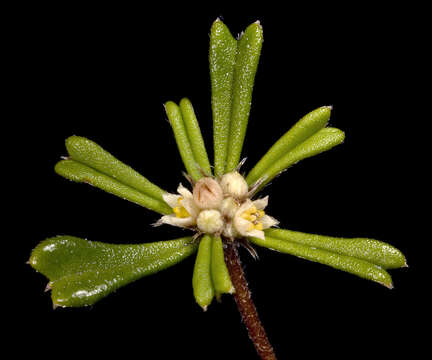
(81, 272)
(248, 54)
(175, 118)
(202, 284)
(76, 171)
(219, 271)
(323, 140)
(195, 136)
(302, 130)
(374, 251)
(222, 57)
(349, 264)
(89, 153)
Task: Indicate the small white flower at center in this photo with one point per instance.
(234, 185)
(184, 208)
(250, 219)
(210, 221)
(218, 208)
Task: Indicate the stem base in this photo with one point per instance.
(245, 304)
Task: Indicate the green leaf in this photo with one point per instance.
(323, 140)
(194, 135)
(89, 153)
(248, 54)
(222, 57)
(202, 284)
(349, 264)
(175, 118)
(81, 272)
(219, 271)
(374, 251)
(76, 171)
(302, 130)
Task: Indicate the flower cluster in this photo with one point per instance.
(219, 206)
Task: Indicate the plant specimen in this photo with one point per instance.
(221, 207)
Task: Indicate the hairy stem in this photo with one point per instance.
(245, 304)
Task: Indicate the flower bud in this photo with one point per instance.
(234, 184)
(210, 221)
(207, 193)
(229, 207)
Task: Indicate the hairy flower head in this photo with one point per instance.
(207, 193)
(210, 221)
(234, 185)
(219, 207)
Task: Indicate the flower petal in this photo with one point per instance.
(242, 225)
(171, 199)
(256, 233)
(190, 206)
(243, 207)
(184, 192)
(268, 221)
(175, 221)
(261, 204)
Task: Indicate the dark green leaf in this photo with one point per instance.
(81, 272)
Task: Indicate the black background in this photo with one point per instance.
(105, 72)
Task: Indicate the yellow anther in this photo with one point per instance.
(258, 226)
(252, 209)
(179, 200)
(252, 226)
(181, 212)
(249, 213)
(253, 214)
(245, 215)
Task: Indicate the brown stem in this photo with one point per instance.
(245, 304)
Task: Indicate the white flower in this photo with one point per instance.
(210, 221)
(233, 184)
(228, 210)
(205, 211)
(250, 218)
(184, 207)
(207, 193)
(229, 207)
